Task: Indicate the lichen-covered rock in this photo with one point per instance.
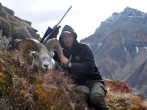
(11, 26)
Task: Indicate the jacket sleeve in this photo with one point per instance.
(87, 64)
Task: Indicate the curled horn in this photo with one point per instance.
(25, 47)
(53, 44)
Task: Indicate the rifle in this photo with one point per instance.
(49, 35)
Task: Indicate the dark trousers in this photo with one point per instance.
(94, 93)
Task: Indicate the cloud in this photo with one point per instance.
(84, 17)
(43, 16)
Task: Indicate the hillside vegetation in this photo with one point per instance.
(20, 90)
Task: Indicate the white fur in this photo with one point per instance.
(44, 58)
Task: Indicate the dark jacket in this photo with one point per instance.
(83, 65)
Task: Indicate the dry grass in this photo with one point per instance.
(21, 90)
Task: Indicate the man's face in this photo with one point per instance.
(68, 39)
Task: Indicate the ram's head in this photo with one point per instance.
(38, 55)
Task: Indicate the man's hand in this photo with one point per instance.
(55, 27)
(56, 31)
(65, 61)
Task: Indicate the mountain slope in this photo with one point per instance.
(120, 46)
(21, 90)
(12, 27)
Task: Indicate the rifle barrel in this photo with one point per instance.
(46, 38)
(64, 15)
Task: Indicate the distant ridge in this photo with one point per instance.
(120, 46)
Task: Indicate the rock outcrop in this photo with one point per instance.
(13, 27)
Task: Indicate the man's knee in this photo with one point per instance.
(98, 89)
(96, 99)
(97, 96)
(83, 90)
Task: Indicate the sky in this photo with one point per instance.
(85, 15)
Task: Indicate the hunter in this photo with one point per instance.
(82, 69)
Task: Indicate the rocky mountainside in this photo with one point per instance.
(120, 48)
(12, 26)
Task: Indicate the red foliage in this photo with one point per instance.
(121, 97)
(118, 86)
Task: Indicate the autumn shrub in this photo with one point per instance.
(20, 90)
(53, 90)
(121, 97)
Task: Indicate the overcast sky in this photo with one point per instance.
(85, 15)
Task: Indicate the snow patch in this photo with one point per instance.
(125, 49)
(137, 50)
(145, 47)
